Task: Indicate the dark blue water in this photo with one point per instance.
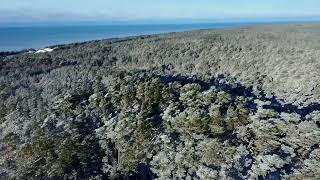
(19, 38)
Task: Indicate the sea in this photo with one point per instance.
(21, 38)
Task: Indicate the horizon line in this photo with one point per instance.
(297, 19)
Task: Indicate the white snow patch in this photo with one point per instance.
(44, 50)
(31, 51)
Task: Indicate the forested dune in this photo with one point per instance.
(211, 104)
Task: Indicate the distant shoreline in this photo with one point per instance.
(132, 37)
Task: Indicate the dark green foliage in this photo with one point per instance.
(35, 158)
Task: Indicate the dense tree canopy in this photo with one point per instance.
(191, 106)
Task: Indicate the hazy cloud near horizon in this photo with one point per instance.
(38, 11)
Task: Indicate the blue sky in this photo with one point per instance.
(106, 11)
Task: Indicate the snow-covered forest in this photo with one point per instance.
(211, 104)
